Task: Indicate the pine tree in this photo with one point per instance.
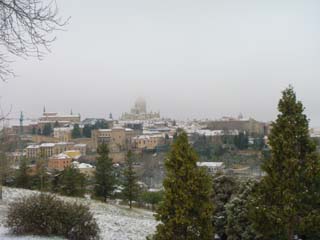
(131, 188)
(288, 192)
(76, 133)
(47, 129)
(239, 226)
(152, 198)
(104, 176)
(71, 182)
(87, 130)
(22, 178)
(223, 188)
(56, 124)
(41, 181)
(186, 210)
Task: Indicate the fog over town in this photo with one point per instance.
(188, 59)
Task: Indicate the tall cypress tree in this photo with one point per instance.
(186, 211)
(288, 192)
(131, 188)
(104, 175)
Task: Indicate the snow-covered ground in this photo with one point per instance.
(115, 222)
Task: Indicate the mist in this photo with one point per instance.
(188, 59)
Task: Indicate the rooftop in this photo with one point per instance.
(210, 164)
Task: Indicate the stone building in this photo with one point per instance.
(250, 126)
(118, 140)
(62, 134)
(55, 117)
(148, 142)
(116, 137)
(59, 162)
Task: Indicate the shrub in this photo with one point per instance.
(45, 214)
(153, 198)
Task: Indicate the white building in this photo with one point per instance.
(213, 167)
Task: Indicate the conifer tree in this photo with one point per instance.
(40, 180)
(56, 124)
(76, 133)
(104, 176)
(131, 188)
(186, 210)
(224, 187)
(87, 130)
(239, 226)
(71, 182)
(22, 178)
(288, 192)
(47, 129)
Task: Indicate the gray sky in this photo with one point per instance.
(189, 59)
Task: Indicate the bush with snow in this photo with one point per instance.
(46, 215)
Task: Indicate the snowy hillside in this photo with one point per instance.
(115, 222)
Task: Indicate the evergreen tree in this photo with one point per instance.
(56, 124)
(104, 176)
(34, 130)
(72, 183)
(47, 129)
(101, 124)
(152, 198)
(186, 210)
(39, 131)
(41, 179)
(223, 188)
(23, 179)
(76, 133)
(87, 130)
(131, 188)
(289, 192)
(241, 141)
(239, 226)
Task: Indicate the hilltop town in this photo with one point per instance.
(64, 140)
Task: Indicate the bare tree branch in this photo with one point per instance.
(4, 115)
(26, 30)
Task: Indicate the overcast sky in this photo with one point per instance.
(188, 59)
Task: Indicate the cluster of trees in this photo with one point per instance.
(283, 204)
(107, 180)
(210, 150)
(76, 131)
(87, 128)
(46, 131)
(100, 124)
(71, 182)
